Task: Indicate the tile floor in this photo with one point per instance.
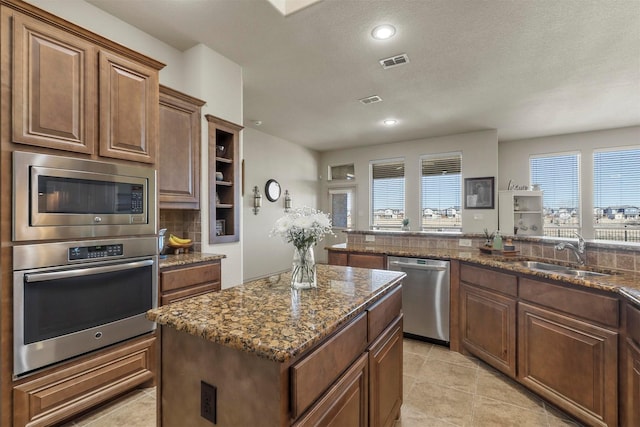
(441, 388)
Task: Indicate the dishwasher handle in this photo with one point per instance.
(418, 266)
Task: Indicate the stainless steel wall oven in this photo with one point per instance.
(73, 297)
(57, 197)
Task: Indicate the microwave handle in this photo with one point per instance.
(65, 274)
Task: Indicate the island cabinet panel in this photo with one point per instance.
(488, 327)
(49, 398)
(570, 362)
(54, 84)
(312, 375)
(177, 283)
(382, 313)
(345, 403)
(385, 376)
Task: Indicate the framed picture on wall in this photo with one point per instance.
(220, 227)
(478, 193)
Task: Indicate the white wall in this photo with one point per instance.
(296, 169)
(199, 71)
(514, 159)
(479, 159)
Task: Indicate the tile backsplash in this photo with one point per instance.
(183, 223)
(608, 255)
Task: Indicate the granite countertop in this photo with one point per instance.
(625, 283)
(268, 318)
(186, 259)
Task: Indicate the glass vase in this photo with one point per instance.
(303, 274)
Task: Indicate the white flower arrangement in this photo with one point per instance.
(303, 227)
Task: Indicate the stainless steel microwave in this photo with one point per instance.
(57, 197)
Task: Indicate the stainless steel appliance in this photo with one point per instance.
(73, 297)
(67, 198)
(425, 297)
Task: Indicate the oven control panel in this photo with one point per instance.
(98, 251)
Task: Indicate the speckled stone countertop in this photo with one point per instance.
(626, 283)
(268, 318)
(186, 259)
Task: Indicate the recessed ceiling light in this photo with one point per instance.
(390, 122)
(383, 32)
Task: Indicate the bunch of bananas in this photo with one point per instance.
(177, 241)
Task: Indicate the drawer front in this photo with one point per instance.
(587, 305)
(189, 292)
(499, 282)
(383, 312)
(633, 324)
(367, 261)
(61, 394)
(189, 276)
(313, 375)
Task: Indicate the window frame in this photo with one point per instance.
(372, 163)
(421, 159)
(344, 190)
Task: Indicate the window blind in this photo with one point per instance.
(559, 178)
(440, 187)
(387, 195)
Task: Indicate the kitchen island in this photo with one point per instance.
(264, 354)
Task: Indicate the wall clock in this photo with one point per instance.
(272, 190)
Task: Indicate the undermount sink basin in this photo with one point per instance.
(558, 269)
(536, 265)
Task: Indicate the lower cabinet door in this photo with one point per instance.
(571, 363)
(488, 327)
(345, 403)
(385, 376)
(632, 395)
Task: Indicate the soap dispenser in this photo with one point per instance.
(497, 241)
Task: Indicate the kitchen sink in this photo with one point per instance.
(558, 269)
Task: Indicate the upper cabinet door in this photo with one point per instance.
(54, 80)
(179, 158)
(128, 109)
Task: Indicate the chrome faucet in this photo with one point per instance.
(579, 252)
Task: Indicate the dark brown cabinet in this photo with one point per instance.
(570, 362)
(385, 376)
(488, 316)
(488, 323)
(72, 92)
(179, 159)
(353, 259)
(181, 282)
(630, 369)
(224, 180)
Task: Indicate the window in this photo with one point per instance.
(558, 177)
(440, 188)
(616, 195)
(387, 195)
(341, 201)
(341, 172)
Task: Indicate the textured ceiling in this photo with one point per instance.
(526, 68)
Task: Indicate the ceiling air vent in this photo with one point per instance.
(370, 99)
(394, 61)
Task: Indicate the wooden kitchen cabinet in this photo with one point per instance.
(385, 376)
(179, 147)
(488, 322)
(75, 91)
(181, 282)
(354, 259)
(224, 193)
(630, 369)
(568, 349)
(56, 395)
(488, 316)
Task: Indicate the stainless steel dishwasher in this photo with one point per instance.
(425, 297)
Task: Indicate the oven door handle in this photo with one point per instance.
(42, 277)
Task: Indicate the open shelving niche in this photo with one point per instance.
(224, 194)
(522, 209)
